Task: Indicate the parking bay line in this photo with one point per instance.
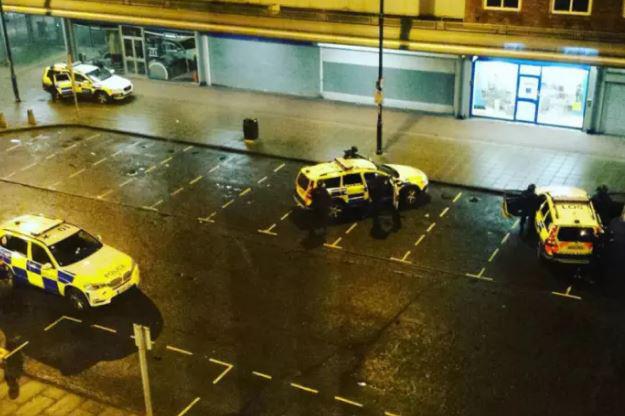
(104, 328)
(269, 231)
(567, 294)
(419, 240)
(186, 409)
(178, 350)
(347, 401)
(278, 168)
(403, 259)
(194, 181)
(32, 165)
(245, 192)
(16, 350)
(457, 197)
(78, 172)
(177, 191)
(304, 388)
(492, 256)
(443, 212)
(226, 371)
(262, 375)
(480, 275)
(334, 245)
(99, 161)
(431, 227)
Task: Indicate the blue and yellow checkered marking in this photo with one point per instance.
(65, 277)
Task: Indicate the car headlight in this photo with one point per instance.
(95, 286)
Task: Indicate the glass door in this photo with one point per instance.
(134, 55)
(528, 93)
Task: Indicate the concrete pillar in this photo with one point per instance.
(592, 107)
(462, 87)
(203, 59)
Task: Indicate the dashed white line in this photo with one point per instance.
(55, 184)
(223, 374)
(334, 245)
(387, 413)
(213, 169)
(492, 256)
(53, 324)
(92, 137)
(16, 350)
(166, 160)
(420, 240)
(227, 204)
(186, 409)
(186, 149)
(157, 203)
(442, 214)
(196, 180)
(207, 219)
(278, 168)
(285, 216)
(104, 328)
(50, 156)
(32, 165)
(347, 401)
(99, 161)
(150, 169)
(126, 182)
(262, 375)
(350, 229)
(403, 259)
(78, 172)
(245, 192)
(13, 147)
(261, 180)
(480, 275)
(304, 388)
(567, 294)
(117, 153)
(177, 191)
(179, 350)
(268, 230)
(505, 238)
(457, 197)
(105, 193)
(70, 147)
(431, 227)
(69, 318)
(10, 175)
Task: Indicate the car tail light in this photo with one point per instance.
(551, 244)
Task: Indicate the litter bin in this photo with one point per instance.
(250, 129)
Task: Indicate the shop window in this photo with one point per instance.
(562, 96)
(34, 39)
(572, 6)
(506, 5)
(494, 89)
(171, 56)
(99, 45)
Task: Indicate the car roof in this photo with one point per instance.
(47, 230)
(78, 67)
(337, 166)
(563, 193)
(575, 214)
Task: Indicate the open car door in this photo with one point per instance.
(513, 204)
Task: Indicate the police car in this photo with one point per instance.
(65, 260)
(90, 81)
(348, 181)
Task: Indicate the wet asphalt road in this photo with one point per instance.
(451, 315)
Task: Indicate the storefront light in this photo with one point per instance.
(575, 50)
(515, 46)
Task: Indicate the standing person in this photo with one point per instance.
(13, 367)
(377, 193)
(602, 201)
(396, 200)
(530, 206)
(321, 202)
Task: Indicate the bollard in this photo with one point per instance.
(250, 129)
(31, 118)
(3, 122)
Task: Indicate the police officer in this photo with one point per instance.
(530, 206)
(396, 201)
(603, 203)
(321, 202)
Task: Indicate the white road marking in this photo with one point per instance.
(285, 216)
(32, 165)
(6, 357)
(186, 149)
(350, 229)
(177, 191)
(126, 182)
(262, 375)
(567, 294)
(480, 275)
(104, 328)
(166, 160)
(431, 227)
(150, 169)
(261, 180)
(13, 147)
(344, 400)
(304, 388)
(10, 175)
(99, 161)
(50, 156)
(457, 197)
(334, 245)
(403, 259)
(245, 192)
(69, 318)
(515, 223)
(55, 184)
(78, 172)
(213, 169)
(505, 238)
(105, 193)
(420, 240)
(226, 371)
(268, 230)
(117, 153)
(278, 168)
(186, 409)
(70, 147)
(492, 256)
(53, 324)
(196, 180)
(442, 214)
(92, 137)
(207, 219)
(387, 413)
(227, 204)
(179, 350)
(157, 203)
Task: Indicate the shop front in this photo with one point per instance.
(530, 92)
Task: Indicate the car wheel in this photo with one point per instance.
(410, 197)
(77, 300)
(336, 210)
(102, 97)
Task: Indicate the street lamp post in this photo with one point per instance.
(9, 57)
(379, 95)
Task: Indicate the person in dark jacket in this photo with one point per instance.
(380, 190)
(321, 202)
(13, 367)
(530, 206)
(603, 204)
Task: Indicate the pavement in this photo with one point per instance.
(475, 152)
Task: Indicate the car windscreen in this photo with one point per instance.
(388, 170)
(576, 234)
(99, 74)
(303, 181)
(75, 248)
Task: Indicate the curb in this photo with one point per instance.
(476, 188)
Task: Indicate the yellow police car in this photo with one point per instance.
(566, 224)
(348, 181)
(65, 260)
(89, 81)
